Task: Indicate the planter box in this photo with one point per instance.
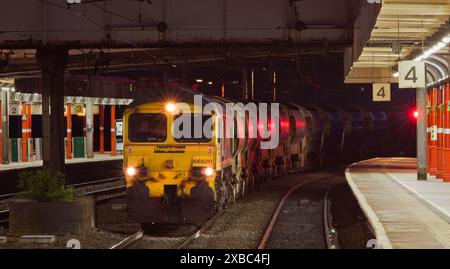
(31, 217)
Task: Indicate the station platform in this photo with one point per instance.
(404, 213)
(23, 165)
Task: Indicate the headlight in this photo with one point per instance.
(170, 107)
(131, 171)
(208, 171)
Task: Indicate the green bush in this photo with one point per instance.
(41, 186)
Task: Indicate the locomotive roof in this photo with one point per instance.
(169, 93)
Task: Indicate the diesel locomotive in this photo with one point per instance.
(172, 179)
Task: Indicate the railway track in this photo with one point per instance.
(198, 233)
(185, 241)
(79, 185)
(4, 217)
(101, 195)
(328, 232)
(129, 240)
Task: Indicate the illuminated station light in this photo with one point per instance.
(433, 50)
(436, 48)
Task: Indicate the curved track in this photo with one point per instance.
(274, 220)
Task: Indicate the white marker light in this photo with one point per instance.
(208, 171)
(131, 171)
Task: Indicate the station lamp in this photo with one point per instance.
(433, 50)
(436, 48)
(5, 89)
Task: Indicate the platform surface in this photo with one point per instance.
(404, 213)
(97, 158)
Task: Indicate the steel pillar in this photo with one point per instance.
(69, 132)
(440, 133)
(52, 61)
(24, 115)
(89, 128)
(422, 134)
(113, 131)
(5, 126)
(447, 132)
(433, 128)
(102, 128)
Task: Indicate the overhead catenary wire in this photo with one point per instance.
(105, 29)
(120, 15)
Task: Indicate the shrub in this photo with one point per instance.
(41, 186)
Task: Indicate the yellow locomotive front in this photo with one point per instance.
(170, 179)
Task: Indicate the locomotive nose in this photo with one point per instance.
(167, 175)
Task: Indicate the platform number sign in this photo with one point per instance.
(14, 110)
(78, 108)
(382, 92)
(411, 74)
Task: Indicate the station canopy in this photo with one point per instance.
(113, 37)
(402, 30)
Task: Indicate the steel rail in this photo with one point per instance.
(326, 222)
(129, 240)
(199, 231)
(101, 196)
(273, 220)
(85, 184)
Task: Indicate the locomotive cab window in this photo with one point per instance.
(147, 127)
(188, 134)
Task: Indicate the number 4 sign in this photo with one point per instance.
(411, 74)
(382, 92)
